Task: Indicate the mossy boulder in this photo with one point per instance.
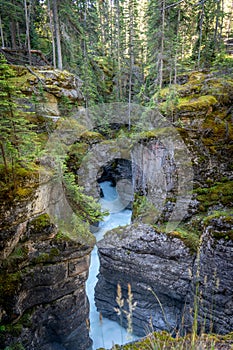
(201, 103)
(24, 185)
(219, 87)
(52, 92)
(91, 137)
(199, 96)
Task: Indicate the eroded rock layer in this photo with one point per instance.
(166, 279)
(213, 277)
(43, 304)
(155, 265)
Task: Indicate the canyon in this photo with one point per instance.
(167, 172)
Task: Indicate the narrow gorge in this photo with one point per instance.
(175, 176)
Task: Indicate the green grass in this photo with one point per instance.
(188, 237)
(188, 233)
(164, 341)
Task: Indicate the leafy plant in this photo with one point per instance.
(85, 206)
(144, 210)
(16, 346)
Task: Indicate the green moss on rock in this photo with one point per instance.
(192, 104)
(220, 87)
(9, 284)
(221, 234)
(23, 192)
(219, 193)
(42, 258)
(22, 187)
(190, 239)
(62, 236)
(197, 76)
(40, 222)
(15, 346)
(92, 136)
(15, 329)
(155, 133)
(16, 258)
(221, 224)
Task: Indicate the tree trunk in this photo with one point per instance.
(13, 172)
(85, 55)
(27, 18)
(131, 58)
(2, 35)
(18, 37)
(200, 33)
(13, 34)
(176, 48)
(160, 80)
(229, 21)
(57, 34)
(119, 54)
(52, 34)
(4, 161)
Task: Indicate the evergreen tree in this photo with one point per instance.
(156, 36)
(209, 28)
(16, 134)
(169, 27)
(13, 20)
(112, 45)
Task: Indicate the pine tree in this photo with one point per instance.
(16, 134)
(13, 20)
(209, 14)
(156, 42)
(168, 30)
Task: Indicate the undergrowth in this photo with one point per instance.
(164, 341)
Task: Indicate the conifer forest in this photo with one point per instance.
(116, 174)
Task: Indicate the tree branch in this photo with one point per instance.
(173, 5)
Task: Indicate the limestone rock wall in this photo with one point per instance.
(49, 89)
(164, 275)
(213, 275)
(43, 303)
(156, 266)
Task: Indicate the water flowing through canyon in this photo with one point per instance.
(104, 332)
